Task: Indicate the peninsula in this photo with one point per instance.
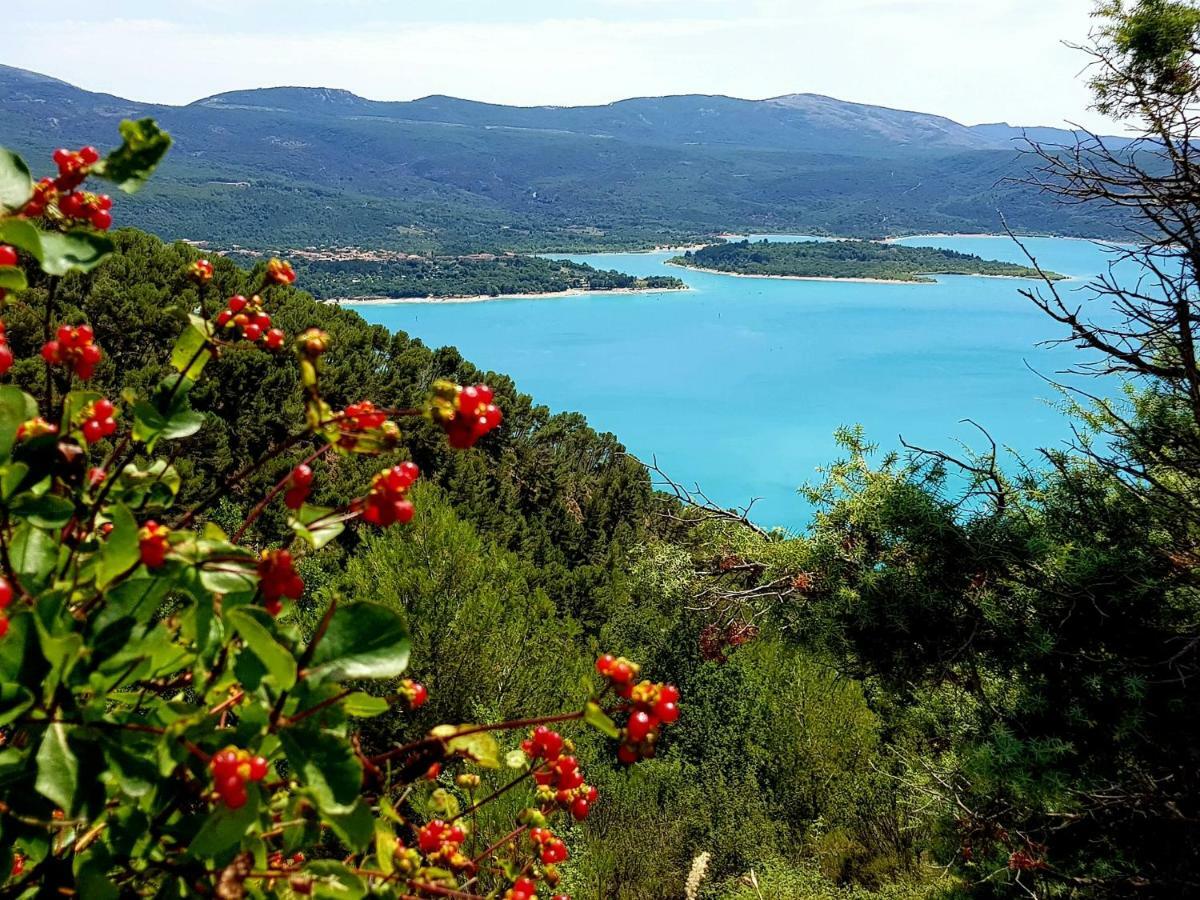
(851, 260)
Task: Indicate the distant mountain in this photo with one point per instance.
(294, 166)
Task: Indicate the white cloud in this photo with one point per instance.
(971, 61)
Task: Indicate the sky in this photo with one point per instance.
(972, 60)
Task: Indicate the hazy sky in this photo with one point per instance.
(973, 60)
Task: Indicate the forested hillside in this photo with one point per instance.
(272, 168)
(846, 259)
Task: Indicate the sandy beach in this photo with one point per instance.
(484, 298)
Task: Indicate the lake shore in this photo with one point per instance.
(931, 276)
(485, 298)
(834, 278)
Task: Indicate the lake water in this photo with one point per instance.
(739, 383)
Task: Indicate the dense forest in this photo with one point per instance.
(846, 259)
(483, 274)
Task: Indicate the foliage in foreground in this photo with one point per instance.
(170, 725)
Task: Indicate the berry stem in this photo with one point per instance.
(279, 488)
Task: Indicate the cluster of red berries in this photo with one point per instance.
(560, 780)
(201, 271)
(153, 544)
(80, 206)
(387, 501)
(277, 578)
(525, 888)
(299, 486)
(415, 693)
(361, 419)
(465, 413)
(73, 166)
(98, 421)
(6, 596)
(248, 317)
(6, 354)
(280, 272)
(441, 843)
(74, 347)
(231, 769)
(651, 706)
(551, 850)
(84, 206)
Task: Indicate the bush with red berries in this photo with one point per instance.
(169, 724)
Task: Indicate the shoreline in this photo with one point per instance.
(485, 298)
(932, 276)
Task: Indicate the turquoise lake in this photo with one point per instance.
(739, 383)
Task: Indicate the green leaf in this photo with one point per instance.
(58, 769)
(33, 552)
(192, 348)
(78, 250)
(131, 164)
(14, 700)
(479, 746)
(353, 826)
(329, 524)
(364, 640)
(225, 827)
(120, 552)
(443, 804)
(277, 659)
(151, 488)
(325, 763)
(12, 279)
(364, 706)
(46, 511)
(595, 716)
(15, 407)
(333, 881)
(16, 184)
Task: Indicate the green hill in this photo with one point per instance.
(846, 259)
(298, 167)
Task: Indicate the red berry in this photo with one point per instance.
(3, 626)
(302, 475)
(101, 220)
(8, 256)
(258, 768)
(580, 809)
(666, 711)
(89, 155)
(638, 727)
(6, 592)
(92, 431)
(6, 357)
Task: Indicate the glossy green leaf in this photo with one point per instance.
(224, 828)
(277, 659)
(58, 253)
(192, 349)
(325, 763)
(334, 881)
(443, 804)
(364, 640)
(120, 552)
(364, 706)
(46, 511)
(12, 279)
(595, 716)
(318, 525)
(15, 407)
(57, 767)
(33, 552)
(14, 700)
(143, 146)
(16, 184)
(478, 746)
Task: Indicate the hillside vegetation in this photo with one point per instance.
(273, 168)
(846, 259)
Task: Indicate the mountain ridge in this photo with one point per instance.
(329, 167)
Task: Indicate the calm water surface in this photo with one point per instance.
(739, 383)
